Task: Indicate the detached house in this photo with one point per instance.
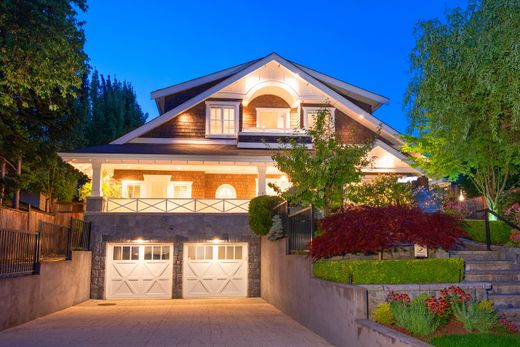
(176, 225)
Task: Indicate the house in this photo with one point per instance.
(176, 225)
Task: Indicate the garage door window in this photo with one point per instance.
(200, 252)
(156, 252)
(230, 252)
(126, 253)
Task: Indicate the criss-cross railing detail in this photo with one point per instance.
(169, 205)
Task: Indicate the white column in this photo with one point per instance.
(97, 179)
(261, 180)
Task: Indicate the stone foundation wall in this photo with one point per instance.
(170, 228)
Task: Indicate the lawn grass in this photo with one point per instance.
(476, 340)
(476, 230)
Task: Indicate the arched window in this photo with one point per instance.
(226, 191)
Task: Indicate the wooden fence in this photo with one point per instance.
(30, 220)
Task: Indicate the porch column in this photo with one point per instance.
(97, 178)
(261, 180)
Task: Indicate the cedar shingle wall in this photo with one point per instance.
(204, 185)
(189, 124)
(245, 185)
(267, 101)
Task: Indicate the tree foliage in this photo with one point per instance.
(47, 103)
(321, 175)
(463, 96)
(382, 191)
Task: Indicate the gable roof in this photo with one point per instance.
(228, 76)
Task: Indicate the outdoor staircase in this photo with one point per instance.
(504, 276)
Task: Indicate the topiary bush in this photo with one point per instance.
(374, 229)
(260, 214)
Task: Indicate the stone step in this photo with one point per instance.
(492, 276)
(505, 300)
(505, 287)
(476, 255)
(471, 265)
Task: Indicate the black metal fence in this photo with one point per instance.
(486, 212)
(298, 224)
(80, 234)
(19, 252)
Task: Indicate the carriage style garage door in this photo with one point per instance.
(139, 271)
(214, 270)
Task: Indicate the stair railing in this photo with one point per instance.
(487, 211)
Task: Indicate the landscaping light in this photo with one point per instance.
(461, 196)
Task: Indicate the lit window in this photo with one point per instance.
(181, 190)
(226, 191)
(221, 119)
(273, 118)
(310, 114)
(131, 189)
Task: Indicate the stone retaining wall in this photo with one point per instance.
(170, 228)
(337, 312)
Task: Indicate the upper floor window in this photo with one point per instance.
(310, 114)
(221, 118)
(273, 118)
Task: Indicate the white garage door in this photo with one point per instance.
(139, 271)
(214, 270)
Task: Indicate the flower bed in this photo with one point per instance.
(453, 312)
(390, 271)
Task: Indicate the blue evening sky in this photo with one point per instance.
(154, 44)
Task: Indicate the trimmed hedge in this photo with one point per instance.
(260, 213)
(406, 271)
(476, 230)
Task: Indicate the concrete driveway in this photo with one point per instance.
(216, 322)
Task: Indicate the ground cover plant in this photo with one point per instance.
(476, 340)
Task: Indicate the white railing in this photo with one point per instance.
(151, 205)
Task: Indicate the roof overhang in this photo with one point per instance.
(337, 100)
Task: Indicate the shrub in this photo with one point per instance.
(390, 271)
(276, 230)
(383, 314)
(476, 230)
(414, 317)
(260, 214)
(373, 229)
(382, 191)
(473, 317)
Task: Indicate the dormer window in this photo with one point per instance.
(310, 113)
(221, 118)
(273, 118)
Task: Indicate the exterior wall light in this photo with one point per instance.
(461, 196)
(215, 240)
(139, 240)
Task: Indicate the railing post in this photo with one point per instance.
(195, 205)
(488, 231)
(69, 241)
(37, 247)
(137, 205)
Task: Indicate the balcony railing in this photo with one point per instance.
(151, 205)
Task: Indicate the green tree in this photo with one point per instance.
(320, 176)
(382, 191)
(463, 99)
(41, 64)
(114, 110)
